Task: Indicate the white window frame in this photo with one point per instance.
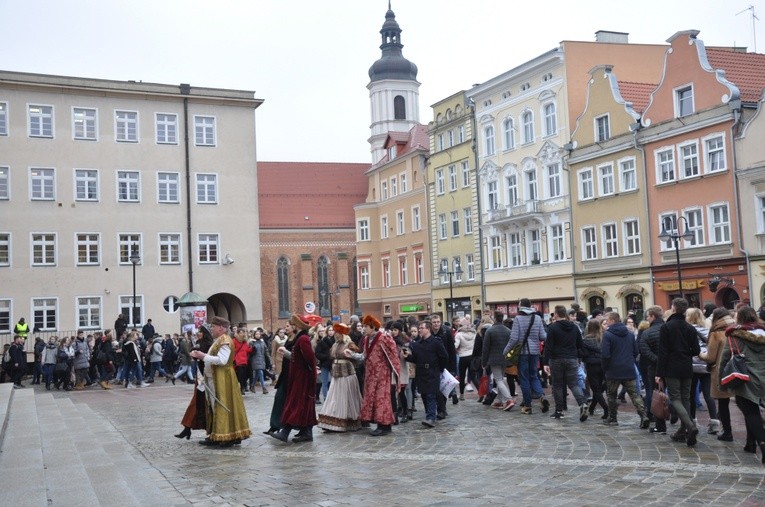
(384, 231)
(534, 246)
(508, 134)
(532, 189)
(167, 183)
(694, 223)
(719, 227)
(492, 195)
(132, 181)
(470, 265)
(514, 249)
(419, 268)
(41, 121)
(385, 270)
(442, 227)
(465, 168)
(84, 123)
(668, 220)
(362, 229)
(393, 186)
(400, 223)
(550, 119)
(440, 142)
(457, 269)
(127, 305)
(489, 146)
(403, 276)
(693, 156)
(5, 250)
(557, 236)
(627, 174)
(723, 153)
(363, 275)
(45, 179)
(416, 218)
(90, 307)
(589, 243)
(602, 126)
(759, 205)
(495, 252)
(45, 305)
(511, 182)
(554, 180)
(676, 92)
(169, 251)
(606, 179)
(208, 248)
(440, 182)
(384, 190)
(3, 118)
(460, 134)
(166, 128)
(670, 163)
(90, 180)
(123, 121)
(205, 130)
(204, 182)
(527, 127)
(6, 315)
(443, 269)
(47, 244)
(467, 217)
(5, 183)
(126, 241)
(454, 219)
(452, 178)
(609, 234)
(631, 234)
(90, 244)
(404, 186)
(586, 183)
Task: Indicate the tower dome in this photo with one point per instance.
(392, 64)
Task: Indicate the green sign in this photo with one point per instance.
(412, 308)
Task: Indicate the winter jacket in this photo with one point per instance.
(750, 340)
(699, 365)
(649, 346)
(464, 341)
(618, 351)
(49, 354)
(715, 344)
(156, 350)
(184, 351)
(241, 352)
(518, 333)
(258, 354)
(564, 340)
(323, 347)
(447, 339)
(431, 359)
(678, 343)
(495, 341)
(81, 355)
(591, 351)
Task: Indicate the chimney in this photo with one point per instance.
(612, 37)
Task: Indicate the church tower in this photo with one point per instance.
(393, 89)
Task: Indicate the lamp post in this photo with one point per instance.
(443, 272)
(134, 260)
(665, 235)
(325, 293)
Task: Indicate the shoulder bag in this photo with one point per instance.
(735, 373)
(514, 354)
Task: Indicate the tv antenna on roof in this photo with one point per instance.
(754, 17)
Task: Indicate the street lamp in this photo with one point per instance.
(445, 272)
(134, 260)
(665, 235)
(324, 293)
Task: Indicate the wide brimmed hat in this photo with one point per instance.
(300, 322)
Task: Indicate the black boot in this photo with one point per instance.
(304, 435)
(282, 435)
(382, 429)
(185, 433)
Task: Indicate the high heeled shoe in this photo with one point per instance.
(185, 433)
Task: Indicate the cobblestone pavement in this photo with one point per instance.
(477, 456)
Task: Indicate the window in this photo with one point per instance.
(512, 189)
(43, 249)
(442, 226)
(586, 185)
(602, 128)
(127, 244)
(606, 175)
(440, 142)
(665, 162)
(443, 270)
(535, 246)
(451, 138)
(440, 182)
(393, 186)
(515, 248)
(127, 307)
(470, 264)
(208, 248)
(760, 204)
(468, 219)
(40, 121)
(402, 179)
(392, 150)
(695, 225)
(283, 286)
(461, 134)
(399, 108)
(3, 123)
(589, 243)
(362, 229)
(402, 275)
(554, 180)
(84, 123)
(455, 219)
(5, 183)
(322, 280)
(5, 249)
(627, 175)
(419, 268)
(457, 269)
(720, 221)
(493, 195)
(400, 228)
(44, 312)
(168, 187)
(531, 185)
(128, 186)
(364, 276)
(89, 313)
(87, 249)
(5, 316)
(416, 224)
(42, 184)
(465, 174)
(85, 185)
(689, 159)
(508, 134)
(166, 126)
(495, 254)
(527, 123)
(631, 237)
(550, 119)
(207, 188)
(668, 222)
(126, 126)
(204, 130)
(384, 227)
(488, 133)
(684, 101)
(715, 154)
(384, 190)
(556, 241)
(452, 178)
(386, 272)
(169, 248)
(610, 241)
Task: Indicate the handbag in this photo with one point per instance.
(514, 354)
(660, 404)
(61, 367)
(483, 386)
(735, 373)
(448, 383)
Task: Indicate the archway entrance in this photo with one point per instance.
(727, 298)
(227, 306)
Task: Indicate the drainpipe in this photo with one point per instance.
(736, 107)
(185, 90)
(474, 145)
(635, 127)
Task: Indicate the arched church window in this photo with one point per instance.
(399, 108)
(322, 272)
(283, 286)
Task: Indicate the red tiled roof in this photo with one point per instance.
(416, 139)
(325, 192)
(637, 93)
(745, 70)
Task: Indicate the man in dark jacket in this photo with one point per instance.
(562, 351)
(649, 350)
(617, 353)
(430, 357)
(678, 343)
(492, 355)
(18, 361)
(447, 340)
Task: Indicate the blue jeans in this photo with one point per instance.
(429, 400)
(154, 367)
(531, 387)
(186, 368)
(325, 378)
(257, 376)
(48, 373)
(134, 370)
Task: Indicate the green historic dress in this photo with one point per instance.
(222, 425)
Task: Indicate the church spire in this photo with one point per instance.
(392, 64)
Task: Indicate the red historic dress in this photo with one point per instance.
(300, 405)
(378, 378)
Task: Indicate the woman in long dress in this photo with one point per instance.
(194, 417)
(342, 406)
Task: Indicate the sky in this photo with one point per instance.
(308, 59)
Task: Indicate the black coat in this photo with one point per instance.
(431, 359)
(678, 343)
(323, 348)
(649, 346)
(564, 340)
(447, 339)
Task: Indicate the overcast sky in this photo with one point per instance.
(308, 59)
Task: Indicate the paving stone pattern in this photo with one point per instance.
(121, 442)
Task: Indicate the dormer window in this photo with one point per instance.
(392, 152)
